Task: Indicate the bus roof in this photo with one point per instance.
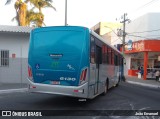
(104, 41)
(73, 27)
(58, 28)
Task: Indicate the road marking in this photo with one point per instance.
(144, 108)
(142, 84)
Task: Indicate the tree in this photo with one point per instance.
(39, 4)
(35, 18)
(38, 18)
(26, 17)
(21, 10)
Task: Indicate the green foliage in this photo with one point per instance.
(31, 17)
(35, 18)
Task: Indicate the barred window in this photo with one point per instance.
(4, 58)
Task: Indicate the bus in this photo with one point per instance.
(72, 61)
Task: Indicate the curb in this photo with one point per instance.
(143, 84)
(13, 90)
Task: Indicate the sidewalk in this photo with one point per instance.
(148, 82)
(12, 87)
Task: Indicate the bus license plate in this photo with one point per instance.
(55, 82)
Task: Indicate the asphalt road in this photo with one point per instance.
(124, 97)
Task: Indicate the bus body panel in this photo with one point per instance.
(59, 57)
(101, 72)
(56, 55)
(73, 91)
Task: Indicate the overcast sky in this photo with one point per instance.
(86, 12)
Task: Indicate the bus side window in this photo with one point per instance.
(116, 59)
(104, 54)
(109, 55)
(98, 55)
(92, 50)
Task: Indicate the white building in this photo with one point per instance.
(142, 44)
(14, 41)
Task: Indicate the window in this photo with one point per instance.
(112, 57)
(4, 58)
(92, 52)
(109, 55)
(104, 54)
(98, 55)
(116, 60)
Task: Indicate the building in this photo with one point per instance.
(14, 41)
(142, 45)
(104, 29)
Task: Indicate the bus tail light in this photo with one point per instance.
(83, 75)
(30, 76)
(31, 87)
(79, 91)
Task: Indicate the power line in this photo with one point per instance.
(145, 37)
(116, 40)
(138, 36)
(147, 4)
(141, 7)
(145, 31)
(113, 32)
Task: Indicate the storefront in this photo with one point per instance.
(143, 54)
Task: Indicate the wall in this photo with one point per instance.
(127, 65)
(16, 43)
(107, 37)
(137, 28)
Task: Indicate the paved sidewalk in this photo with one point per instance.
(12, 87)
(4, 86)
(148, 82)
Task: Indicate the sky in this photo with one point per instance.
(85, 12)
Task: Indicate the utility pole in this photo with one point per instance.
(65, 12)
(124, 19)
(124, 32)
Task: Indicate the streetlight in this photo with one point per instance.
(65, 12)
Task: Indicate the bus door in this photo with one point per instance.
(98, 62)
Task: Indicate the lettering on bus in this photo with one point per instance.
(55, 64)
(70, 67)
(67, 79)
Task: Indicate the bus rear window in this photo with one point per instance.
(54, 40)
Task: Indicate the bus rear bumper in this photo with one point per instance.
(74, 91)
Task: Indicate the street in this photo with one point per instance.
(125, 97)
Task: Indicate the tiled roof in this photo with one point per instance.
(20, 29)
